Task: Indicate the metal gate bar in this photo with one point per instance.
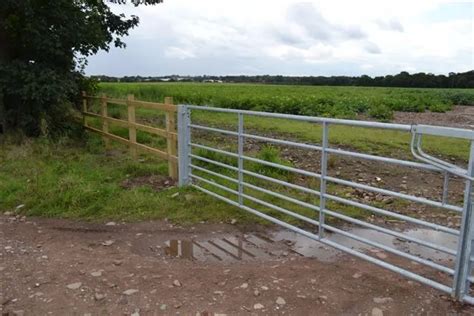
(461, 272)
(335, 198)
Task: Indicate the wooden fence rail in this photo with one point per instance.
(169, 132)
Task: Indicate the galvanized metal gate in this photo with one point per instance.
(457, 276)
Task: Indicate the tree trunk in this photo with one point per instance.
(4, 58)
(3, 115)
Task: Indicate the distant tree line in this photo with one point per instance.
(403, 79)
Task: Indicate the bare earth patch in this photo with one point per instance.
(460, 116)
(156, 182)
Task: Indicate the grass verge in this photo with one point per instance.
(79, 181)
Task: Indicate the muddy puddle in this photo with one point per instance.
(284, 243)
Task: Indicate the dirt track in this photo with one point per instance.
(43, 261)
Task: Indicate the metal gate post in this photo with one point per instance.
(241, 160)
(463, 258)
(184, 139)
(322, 187)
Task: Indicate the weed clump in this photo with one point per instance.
(272, 154)
(381, 112)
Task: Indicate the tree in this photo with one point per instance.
(43, 49)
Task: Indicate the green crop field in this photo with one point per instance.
(342, 102)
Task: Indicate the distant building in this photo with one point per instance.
(212, 81)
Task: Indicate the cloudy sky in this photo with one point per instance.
(291, 37)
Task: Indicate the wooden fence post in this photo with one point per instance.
(105, 123)
(84, 107)
(171, 141)
(132, 131)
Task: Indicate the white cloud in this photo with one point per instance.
(324, 37)
(390, 24)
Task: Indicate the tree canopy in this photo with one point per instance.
(43, 49)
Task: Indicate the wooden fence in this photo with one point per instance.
(169, 133)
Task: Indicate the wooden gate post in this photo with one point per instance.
(105, 123)
(132, 131)
(171, 141)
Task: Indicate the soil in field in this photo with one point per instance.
(460, 116)
(61, 267)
